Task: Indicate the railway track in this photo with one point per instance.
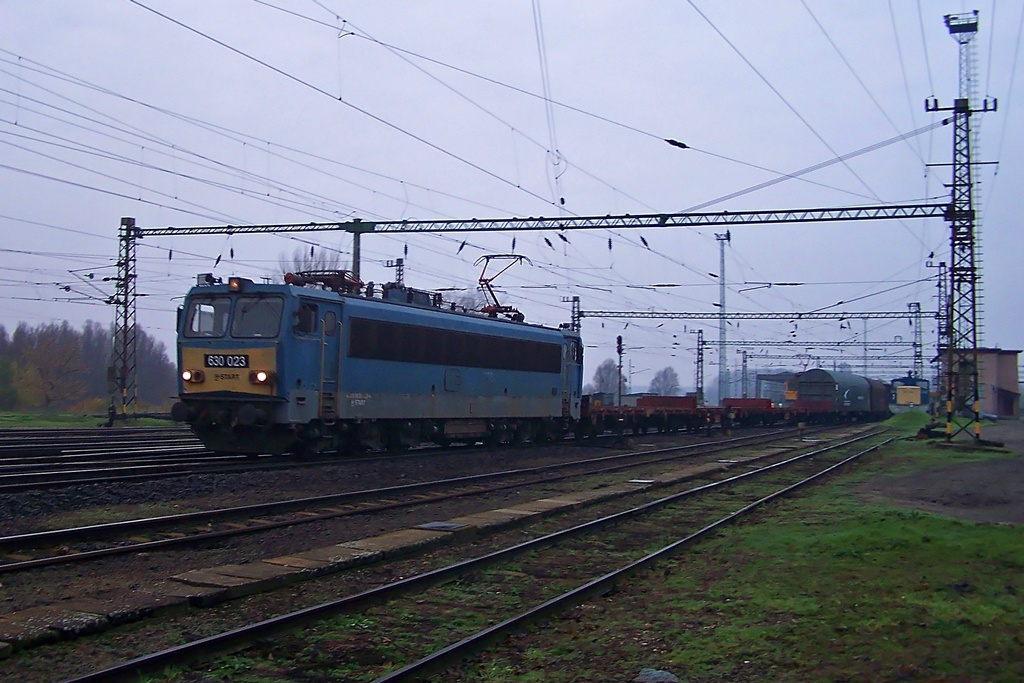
(54, 442)
(46, 459)
(589, 557)
(69, 545)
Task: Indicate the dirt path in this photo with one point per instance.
(991, 491)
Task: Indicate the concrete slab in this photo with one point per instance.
(47, 624)
(210, 578)
(492, 519)
(585, 497)
(28, 628)
(122, 607)
(71, 623)
(296, 562)
(199, 596)
(260, 576)
(568, 501)
(341, 556)
(259, 571)
(540, 506)
(400, 542)
(449, 526)
(511, 513)
(240, 579)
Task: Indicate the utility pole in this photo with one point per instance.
(698, 381)
(743, 374)
(865, 340)
(618, 350)
(961, 345)
(722, 366)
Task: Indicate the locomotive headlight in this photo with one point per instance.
(261, 377)
(193, 376)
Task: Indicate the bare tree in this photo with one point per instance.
(312, 259)
(606, 379)
(665, 382)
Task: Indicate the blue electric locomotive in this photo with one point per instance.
(320, 363)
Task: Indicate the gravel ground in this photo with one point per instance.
(991, 491)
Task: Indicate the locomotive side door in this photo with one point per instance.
(330, 360)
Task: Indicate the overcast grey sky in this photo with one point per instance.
(250, 111)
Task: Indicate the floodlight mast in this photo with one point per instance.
(960, 346)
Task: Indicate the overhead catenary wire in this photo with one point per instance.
(917, 151)
(364, 112)
(588, 280)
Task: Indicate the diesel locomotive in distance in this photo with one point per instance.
(322, 362)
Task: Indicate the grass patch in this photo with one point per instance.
(817, 587)
(908, 422)
(916, 592)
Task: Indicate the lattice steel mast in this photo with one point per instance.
(961, 345)
(915, 310)
(125, 369)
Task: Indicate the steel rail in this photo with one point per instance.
(239, 638)
(56, 536)
(209, 463)
(478, 642)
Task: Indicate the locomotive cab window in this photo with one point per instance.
(257, 316)
(207, 316)
(577, 353)
(305, 319)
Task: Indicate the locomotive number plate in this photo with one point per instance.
(223, 360)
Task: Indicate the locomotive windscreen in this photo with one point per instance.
(257, 316)
(382, 340)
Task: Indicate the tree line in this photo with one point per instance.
(606, 381)
(55, 367)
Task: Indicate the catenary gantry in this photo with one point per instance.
(125, 294)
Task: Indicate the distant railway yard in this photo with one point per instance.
(584, 560)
